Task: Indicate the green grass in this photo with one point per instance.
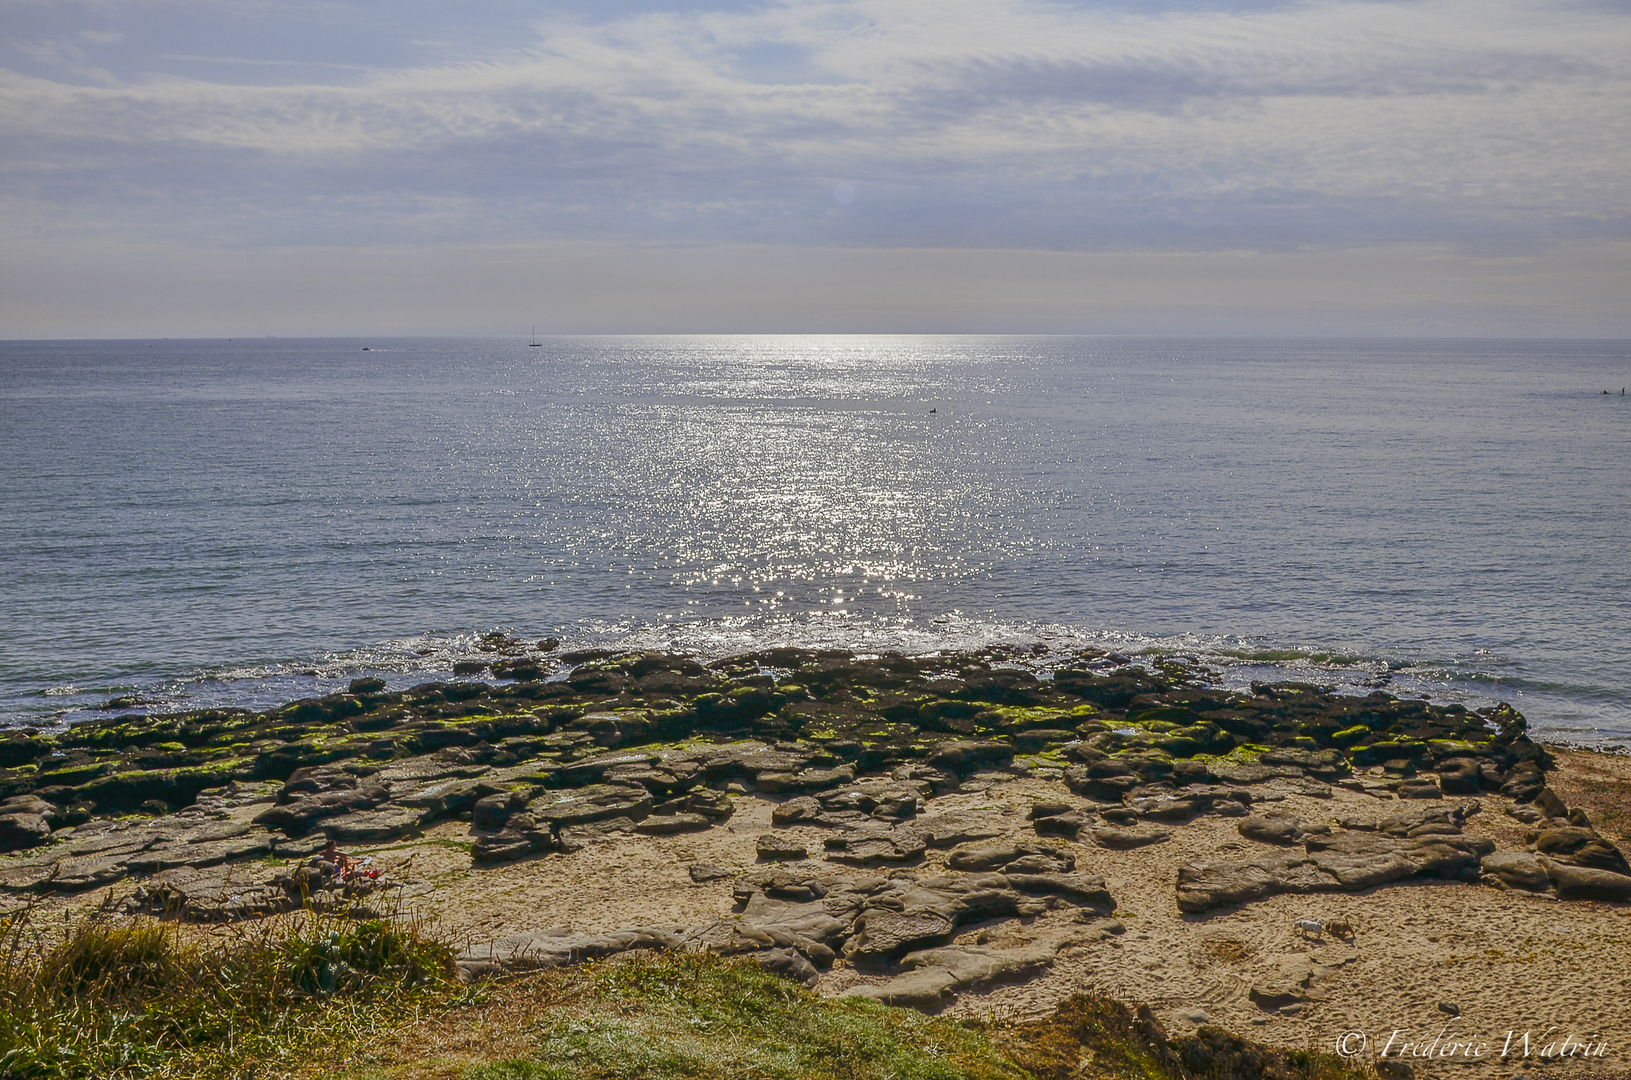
(374, 1000)
(702, 1018)
(123, 997)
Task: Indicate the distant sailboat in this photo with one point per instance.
(533, 341)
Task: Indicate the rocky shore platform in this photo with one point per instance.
(968, 832)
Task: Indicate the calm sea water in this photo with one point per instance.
(245, 522)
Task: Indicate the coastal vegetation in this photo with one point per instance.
(375, 999)
(103, 996)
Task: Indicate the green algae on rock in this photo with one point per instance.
(819, 718)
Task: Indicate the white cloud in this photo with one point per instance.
(999, 123)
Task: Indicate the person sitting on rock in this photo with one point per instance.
(338, 863)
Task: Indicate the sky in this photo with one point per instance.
(246, 167)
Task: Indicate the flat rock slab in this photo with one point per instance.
(373, 826)
(558, 947)
(1588, 883)
(202, 854)
(958, 827)
(875, 847)
(669, 824)
(796, 920)
(1293, 980)
(775, 848)
(933, 977)
(1066, 825)
(1280, 828)
(1406, 846)
(1127, 839)
(1018, 856)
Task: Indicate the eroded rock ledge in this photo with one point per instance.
(210, 813)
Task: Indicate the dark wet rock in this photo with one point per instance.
(21, 750)
(525, 667)
(772, 847)
(1128, 839)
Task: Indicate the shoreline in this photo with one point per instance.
(947, 833)
(403, 662)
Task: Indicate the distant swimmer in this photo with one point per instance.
(937, 410)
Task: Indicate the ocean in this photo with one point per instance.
(200, 523)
